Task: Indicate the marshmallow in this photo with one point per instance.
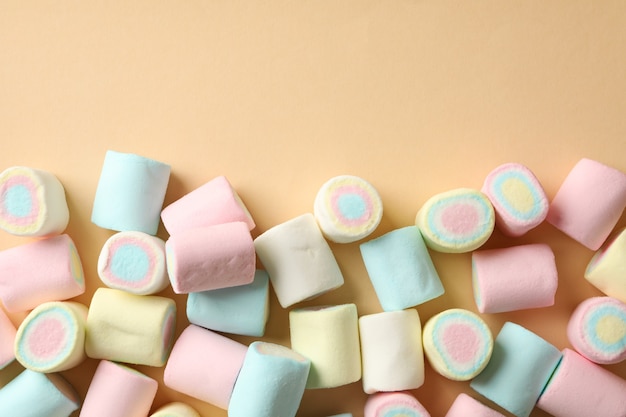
(40, 271)
(211, 257)
(607, 268)
(521, 365)
(7, 340)
(124, 327)
(133, 262)
(329, 337)
(33, 394)
(298, 260)
(589, 202)
(580, 388)
(456, 221)
(32, 203)
(464, 406)
(597, 330)
(52, 337)
(394, 404)
(271, 382)
(518, 198)
(391, 348)
(130, 193)
(117, 390)
(401, 270)
(342, 415)
(347, 209)
(215, 202)
(204, 365)
(240, 310)
(175, 409)
(457, 343)
(514, 278)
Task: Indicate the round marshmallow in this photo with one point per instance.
(133, 262)
(40, 271)
(271, 382)
(117, 390)
(456, 221)
(514, 278)
(464, 406)
(347, 208)
(32, 203)
(204, 365)
(394, 404)
(52, 337)
(130, 193)
(401, 270)
(211, 257)
(391, 349)
(175, 409)
(329, 337)
(607, 268)
(124, 327)
(298, 260)
(589, 202)
(7, 340)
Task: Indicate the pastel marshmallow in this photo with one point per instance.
(117, 390)
(215, 202)
(580, 388)
(175, 409)
(242, 310)
(204, 365)
(271, 382)
(210, 258)
(130, 193)
(298, 260)
(125, 327)
(32, 203)
(519, 201)
(7, 340)
(52, 337)
(456, 221)
(589, 202)
(457, 344)
(329, 337)
(391, 351)
(39, 271)
(464, 406)
(33, 394)
(607, 267)
(400, 269)
(394, 404)
(597, 330)
(347, 208)
(134, 262)
(514, 278)
(520, 366)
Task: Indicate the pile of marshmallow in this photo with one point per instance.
(211, 256)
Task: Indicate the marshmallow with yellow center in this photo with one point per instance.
(175, 409)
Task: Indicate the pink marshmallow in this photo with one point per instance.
(465, 406)
(7, 339)
(394, 403)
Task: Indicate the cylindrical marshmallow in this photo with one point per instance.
(521, 365)
(329, 337)
(607, 268)
(32, 203)
(204, 365)
(464, 406)
(124, 327)
(580, 388)
(175, 409)
(240, 310)
(133, 262)
(394, 404)
(347, 208)
(456, 221)
(130, 193)
(401, 270)
(215, 202)
(457, 344)
(298, 260)
(52, 337)
(597, 330)
(40, 271)
(33, 394)
(589, 202)
(519, 201)
(391, 349)
(514, 278)
(7, 340)
(117, 390)
(210, 258)
(271, 382)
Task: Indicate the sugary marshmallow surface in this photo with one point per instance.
(466, 406)
(607, 268)
(175, 409)
(392, 404)
(7, 339)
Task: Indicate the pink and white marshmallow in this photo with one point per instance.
(394, 404)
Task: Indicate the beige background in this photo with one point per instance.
(418, 97)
